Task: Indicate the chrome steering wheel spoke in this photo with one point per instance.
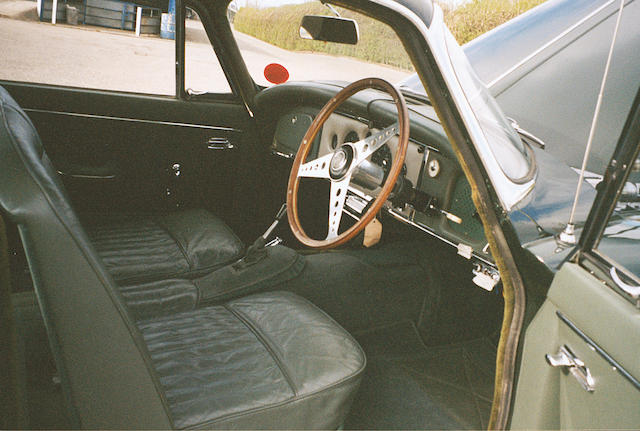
(318, 168)
(336, 205)
(371, 144)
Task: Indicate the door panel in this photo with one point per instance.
(136, 140)
(580, 308)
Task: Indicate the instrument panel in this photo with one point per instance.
(446, 209)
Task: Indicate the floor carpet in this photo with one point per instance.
(410, 386)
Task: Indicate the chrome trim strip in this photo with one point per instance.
(87, 176)
(548, 44)
(283, 155)
(133, 120)
(398, 216)
(616, 366)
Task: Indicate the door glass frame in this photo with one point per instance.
(609, 191)
(181, 90)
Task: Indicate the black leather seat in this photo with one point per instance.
(185, 244)
(264, 361)
(270, 360)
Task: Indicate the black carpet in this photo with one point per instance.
(410, 386)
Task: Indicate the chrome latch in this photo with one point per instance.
(566, 360)
(485, 276)
(217, 143)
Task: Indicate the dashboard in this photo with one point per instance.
(443, 207)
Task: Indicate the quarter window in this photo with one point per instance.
(202, 70)
(620, 242)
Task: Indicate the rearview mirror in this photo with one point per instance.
(329, 29)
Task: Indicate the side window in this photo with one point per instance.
(202, 70)
(96, 44)
(620, 241)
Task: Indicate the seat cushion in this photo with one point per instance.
(270, 360)
(184, 244)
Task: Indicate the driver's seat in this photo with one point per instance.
(265, 361)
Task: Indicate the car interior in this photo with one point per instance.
(156, 281)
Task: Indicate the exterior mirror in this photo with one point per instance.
(329, 29)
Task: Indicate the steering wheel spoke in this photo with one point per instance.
(371, 144)
(336, 204)
(318, 168)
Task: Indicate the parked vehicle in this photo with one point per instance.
(426, 279)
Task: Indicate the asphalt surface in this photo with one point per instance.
(95, 57)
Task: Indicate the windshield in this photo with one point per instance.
(509, 150)
(268, 32)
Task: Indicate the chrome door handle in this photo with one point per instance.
(219, 144)
(567, 360)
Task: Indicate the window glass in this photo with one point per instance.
(92, 45)
(202, 70)
(267, 35)
(620, 241)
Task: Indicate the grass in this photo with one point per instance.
(378, 43)
(279, 26)
(479, 16)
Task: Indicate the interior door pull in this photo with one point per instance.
(219, 144)
(565, 359)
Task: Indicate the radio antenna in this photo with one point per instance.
(568, 236)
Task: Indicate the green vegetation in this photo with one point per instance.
(378, 43)
(479, 16)
(279, 26)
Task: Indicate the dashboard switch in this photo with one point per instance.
(485, 277)
(452, 217)
(433, 168)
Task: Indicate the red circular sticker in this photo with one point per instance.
(276, 73)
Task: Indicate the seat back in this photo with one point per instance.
(102, 360)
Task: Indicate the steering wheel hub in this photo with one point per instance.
(340, 162)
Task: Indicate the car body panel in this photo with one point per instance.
(555, 94)
(546, 211)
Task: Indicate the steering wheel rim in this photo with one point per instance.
(338, 167)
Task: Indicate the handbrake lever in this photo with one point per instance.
(254, 251)
(281, 213)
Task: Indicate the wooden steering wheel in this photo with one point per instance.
(339, 165)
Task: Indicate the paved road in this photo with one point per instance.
(94, 57)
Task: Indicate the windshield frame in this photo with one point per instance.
(510, 191)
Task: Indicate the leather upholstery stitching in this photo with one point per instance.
(264, 340)
(178, 243)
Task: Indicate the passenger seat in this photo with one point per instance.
(271, 360)
(185, 244)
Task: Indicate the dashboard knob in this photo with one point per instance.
(433, 168)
